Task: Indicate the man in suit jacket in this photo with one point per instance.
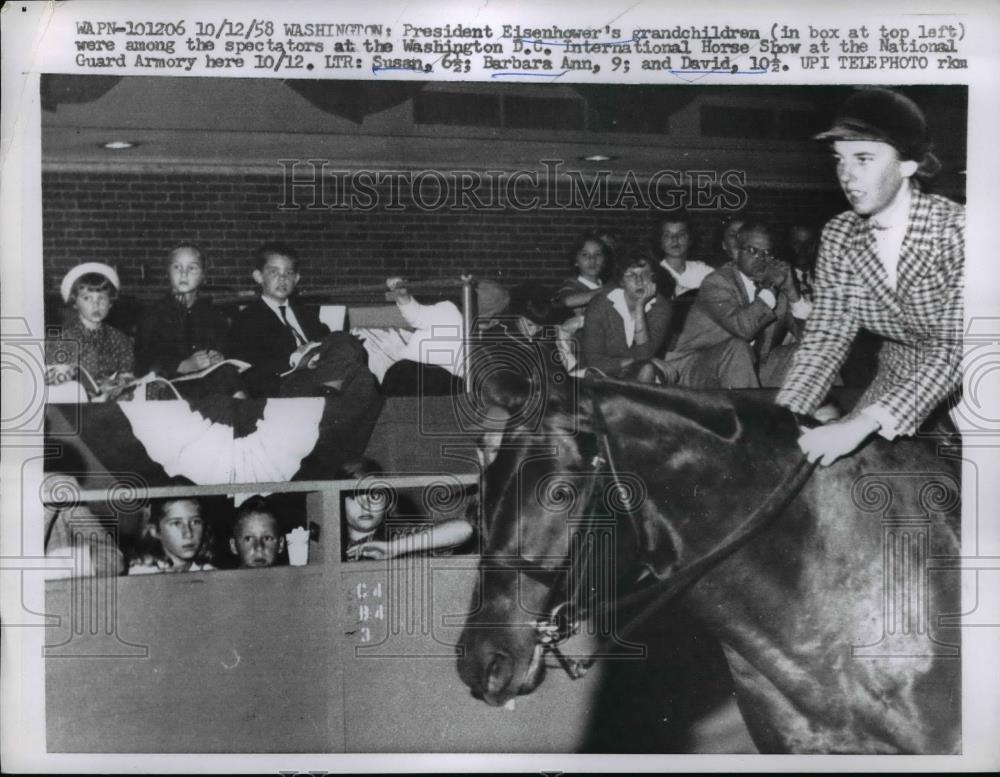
(272, 328)
(733, 336)
(894, 265)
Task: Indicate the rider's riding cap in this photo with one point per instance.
(888, 117)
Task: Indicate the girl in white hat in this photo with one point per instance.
(85, 341)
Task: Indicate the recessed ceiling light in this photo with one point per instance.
(119, 145)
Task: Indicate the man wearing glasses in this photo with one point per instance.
(734, 336)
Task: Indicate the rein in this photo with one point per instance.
(565, 616)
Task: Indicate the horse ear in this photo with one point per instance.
(506, 389)
(706, 411)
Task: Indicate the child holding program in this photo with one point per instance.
(182, 333)
(178, 539)
(85, 341)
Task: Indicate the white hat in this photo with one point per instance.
(83, 269)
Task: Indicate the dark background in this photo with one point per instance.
(206, 168)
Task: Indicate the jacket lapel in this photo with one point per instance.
(871, 273)
(917, 252)
(736, 280)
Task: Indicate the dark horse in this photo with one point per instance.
(832, 613)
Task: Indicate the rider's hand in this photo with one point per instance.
(828, 443)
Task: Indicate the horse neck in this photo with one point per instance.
(697, 487)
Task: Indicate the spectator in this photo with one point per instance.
(257, 539)
(273, 331)
(731, 238)
(366, 513)
(85, 343)
(678, 277)
(71, 527)
(803, 246)
(734, 336)
(680, 273)
(589, 260)
(182, 333)
(627, 324)
(430, 359)
(177, 539)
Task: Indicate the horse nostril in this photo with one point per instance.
(499, 672)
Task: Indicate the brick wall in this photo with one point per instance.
(131, 220)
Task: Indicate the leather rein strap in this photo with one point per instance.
(762, 516)
(552, 632)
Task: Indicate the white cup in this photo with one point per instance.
(297, 542)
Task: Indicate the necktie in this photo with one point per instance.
(299, 339)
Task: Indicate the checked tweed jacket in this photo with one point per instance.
(920, 321)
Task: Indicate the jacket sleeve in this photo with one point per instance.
(729, 310)
(829, 331)
(316, 329)
(657, 326)
(595, 350)
(251, 342)
(568, 287)
(426, 317)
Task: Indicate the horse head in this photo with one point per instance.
(542, 482)
(528, 416)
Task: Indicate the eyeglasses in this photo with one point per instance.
(637, 276)
(755, 252)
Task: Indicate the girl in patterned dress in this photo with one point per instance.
(85, 341)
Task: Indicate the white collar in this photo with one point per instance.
(748, 282)
(666, 266)
(617, 300)
(588, 284)
(289, 318)
(896, 215)
(275, 305)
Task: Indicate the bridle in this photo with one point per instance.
(565, 612)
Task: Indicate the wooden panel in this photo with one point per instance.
(402, 690)
(425, 434)
(250, 661)
(333, 656)
(236, 661)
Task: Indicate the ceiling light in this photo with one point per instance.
(119, 145)
(597, 158)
